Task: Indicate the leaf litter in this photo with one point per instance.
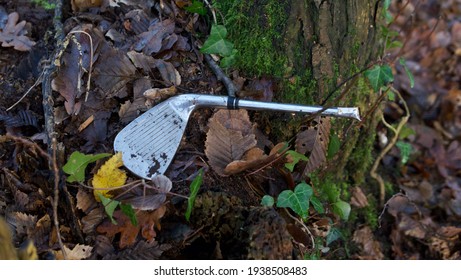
(132, 56)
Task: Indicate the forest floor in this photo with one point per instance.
(137, 47)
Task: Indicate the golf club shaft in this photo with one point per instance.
(236, 103)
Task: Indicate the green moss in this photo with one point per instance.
(259, 37)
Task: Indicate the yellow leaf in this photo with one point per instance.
(109, 176)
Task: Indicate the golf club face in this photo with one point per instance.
(149, 143)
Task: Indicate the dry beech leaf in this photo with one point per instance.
(229, 137)
(147, 222)
(112, 72)
(315, 141)
(254, 159)
(371, 248)
(13, 34)
(79, 252)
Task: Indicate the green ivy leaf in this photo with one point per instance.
(295, 157)
(128, 210)
(379, 76)
(318, 206)
(109, 206)
(403, 62)
(196, 7)
(405, 150)
(77, 163)
(333, 235)
(229, 60)
(334, 145)
(298, 200)
(194, 187)
(217, 43)
(267, 200)
(342, 208)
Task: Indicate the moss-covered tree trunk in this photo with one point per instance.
(311, 47)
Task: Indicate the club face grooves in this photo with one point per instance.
(149, 143)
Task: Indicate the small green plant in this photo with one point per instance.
(297, 200)
(77, 163)
(218, 44)
(196, 7)
(45, 4)
(194, 187)
(111, 204)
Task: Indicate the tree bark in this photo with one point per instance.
(312, 46)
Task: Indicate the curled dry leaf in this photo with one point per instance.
(315, 141)
(229, 137)
(159, 94)
(13, 34)
(255, 158)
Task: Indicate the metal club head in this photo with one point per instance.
(149, 143)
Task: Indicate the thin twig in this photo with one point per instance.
(38, 81)
(303, 225)
(396, 131)
(219, 73)
(56, 196)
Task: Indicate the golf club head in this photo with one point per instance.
(149, 143)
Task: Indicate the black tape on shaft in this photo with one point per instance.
(232, 103)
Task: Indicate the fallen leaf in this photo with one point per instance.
(315, 141)
(141, 251)
(147, 221)
(255, 158)
(112, 71)
(151, 41)
(109, 176)
(149, 196)
(77, 163)
(13, 34)
(229, 137)
(85, 201)
(371, 249)
(79, 252)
